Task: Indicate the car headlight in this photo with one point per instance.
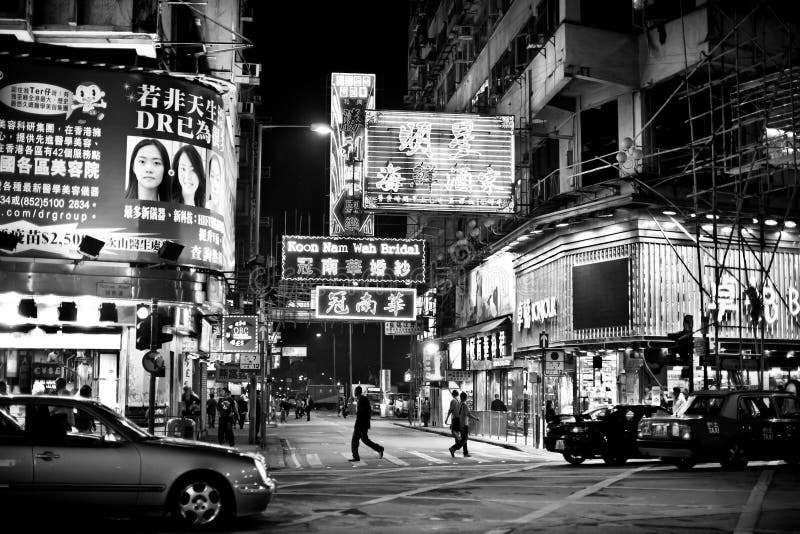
(578, 430)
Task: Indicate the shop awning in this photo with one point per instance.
(486, 326)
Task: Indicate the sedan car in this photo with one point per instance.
(67, 451)
(729, 427)
(608, 432)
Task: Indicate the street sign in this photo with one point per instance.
(544, 340)
(250, 361)
(454, 375)
(402, 328)
(554, 362)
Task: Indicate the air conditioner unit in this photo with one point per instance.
(247, 108)
(464, 32)
(248, 73)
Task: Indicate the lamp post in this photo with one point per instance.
(333, 334)
(255, 249)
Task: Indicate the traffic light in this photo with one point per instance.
(143, 327)
(162, 319)
(655, 359)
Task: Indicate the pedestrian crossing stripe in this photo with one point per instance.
(395, 460)
(426, 457)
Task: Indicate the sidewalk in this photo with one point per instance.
(544, 454)
(273, 452)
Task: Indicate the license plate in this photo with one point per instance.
(560, 445)
(659, 431)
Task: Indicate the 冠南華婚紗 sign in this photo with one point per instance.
(353, 259)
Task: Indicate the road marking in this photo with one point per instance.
(313, 460)
(360, 463)
(538, 514)
(427, 458)
(752, 508)
(395, 460)
(410, 493)
(292, 455)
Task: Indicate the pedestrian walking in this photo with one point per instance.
(228, 415)
(309, 408)
(452, 415)
(426, 411)
(361, 427)
(241, 406)
(211, 410)
(464, 415)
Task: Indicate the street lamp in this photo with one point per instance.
(319, 335)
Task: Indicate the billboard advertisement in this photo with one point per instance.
(353, 259)
(490, 291)
(351, 96)
(129, 158)
(365, 303)
(239, 333)
(439, 162)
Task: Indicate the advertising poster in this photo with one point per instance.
(131, 159)
(490, 291)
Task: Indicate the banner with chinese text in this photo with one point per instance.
(366, 303)
(353, 259)
(439, 161)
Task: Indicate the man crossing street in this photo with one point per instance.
(361, 427)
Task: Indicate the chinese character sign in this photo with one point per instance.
(353, 259)
(351, 96)
(239, 333)
(366, 303)
(132, 159)
(439, 161)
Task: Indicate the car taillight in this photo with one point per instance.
(578, 430)
(686, 432)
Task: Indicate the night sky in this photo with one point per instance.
(299, 45)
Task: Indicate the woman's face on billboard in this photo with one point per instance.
(187, 176)
(148, 167)
(215, 179)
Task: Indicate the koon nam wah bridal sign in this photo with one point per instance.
(353, 259)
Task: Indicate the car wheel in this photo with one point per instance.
(684, 464)
(201, 502)
(574, 459)
(615, 460)
(734, 456)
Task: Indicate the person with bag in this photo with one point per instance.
(227, 415)
(464, 415)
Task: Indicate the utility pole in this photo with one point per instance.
(154, 325)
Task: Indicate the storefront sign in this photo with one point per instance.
(366, 303)
(239, 333)
(402, 328)
(458, 376)
(439, 162)
(229, 371)
(352, 259)
(534, 313)
(114, 291)
(600, 294)
(46, 371)
(351, 96)
(487, 346)
(131, 159)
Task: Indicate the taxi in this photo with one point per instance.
(607, 432)
(729, 427)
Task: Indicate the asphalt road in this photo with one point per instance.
(418, 487)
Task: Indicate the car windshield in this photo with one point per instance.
(701, 405)
(129, 425)
(597, 414)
